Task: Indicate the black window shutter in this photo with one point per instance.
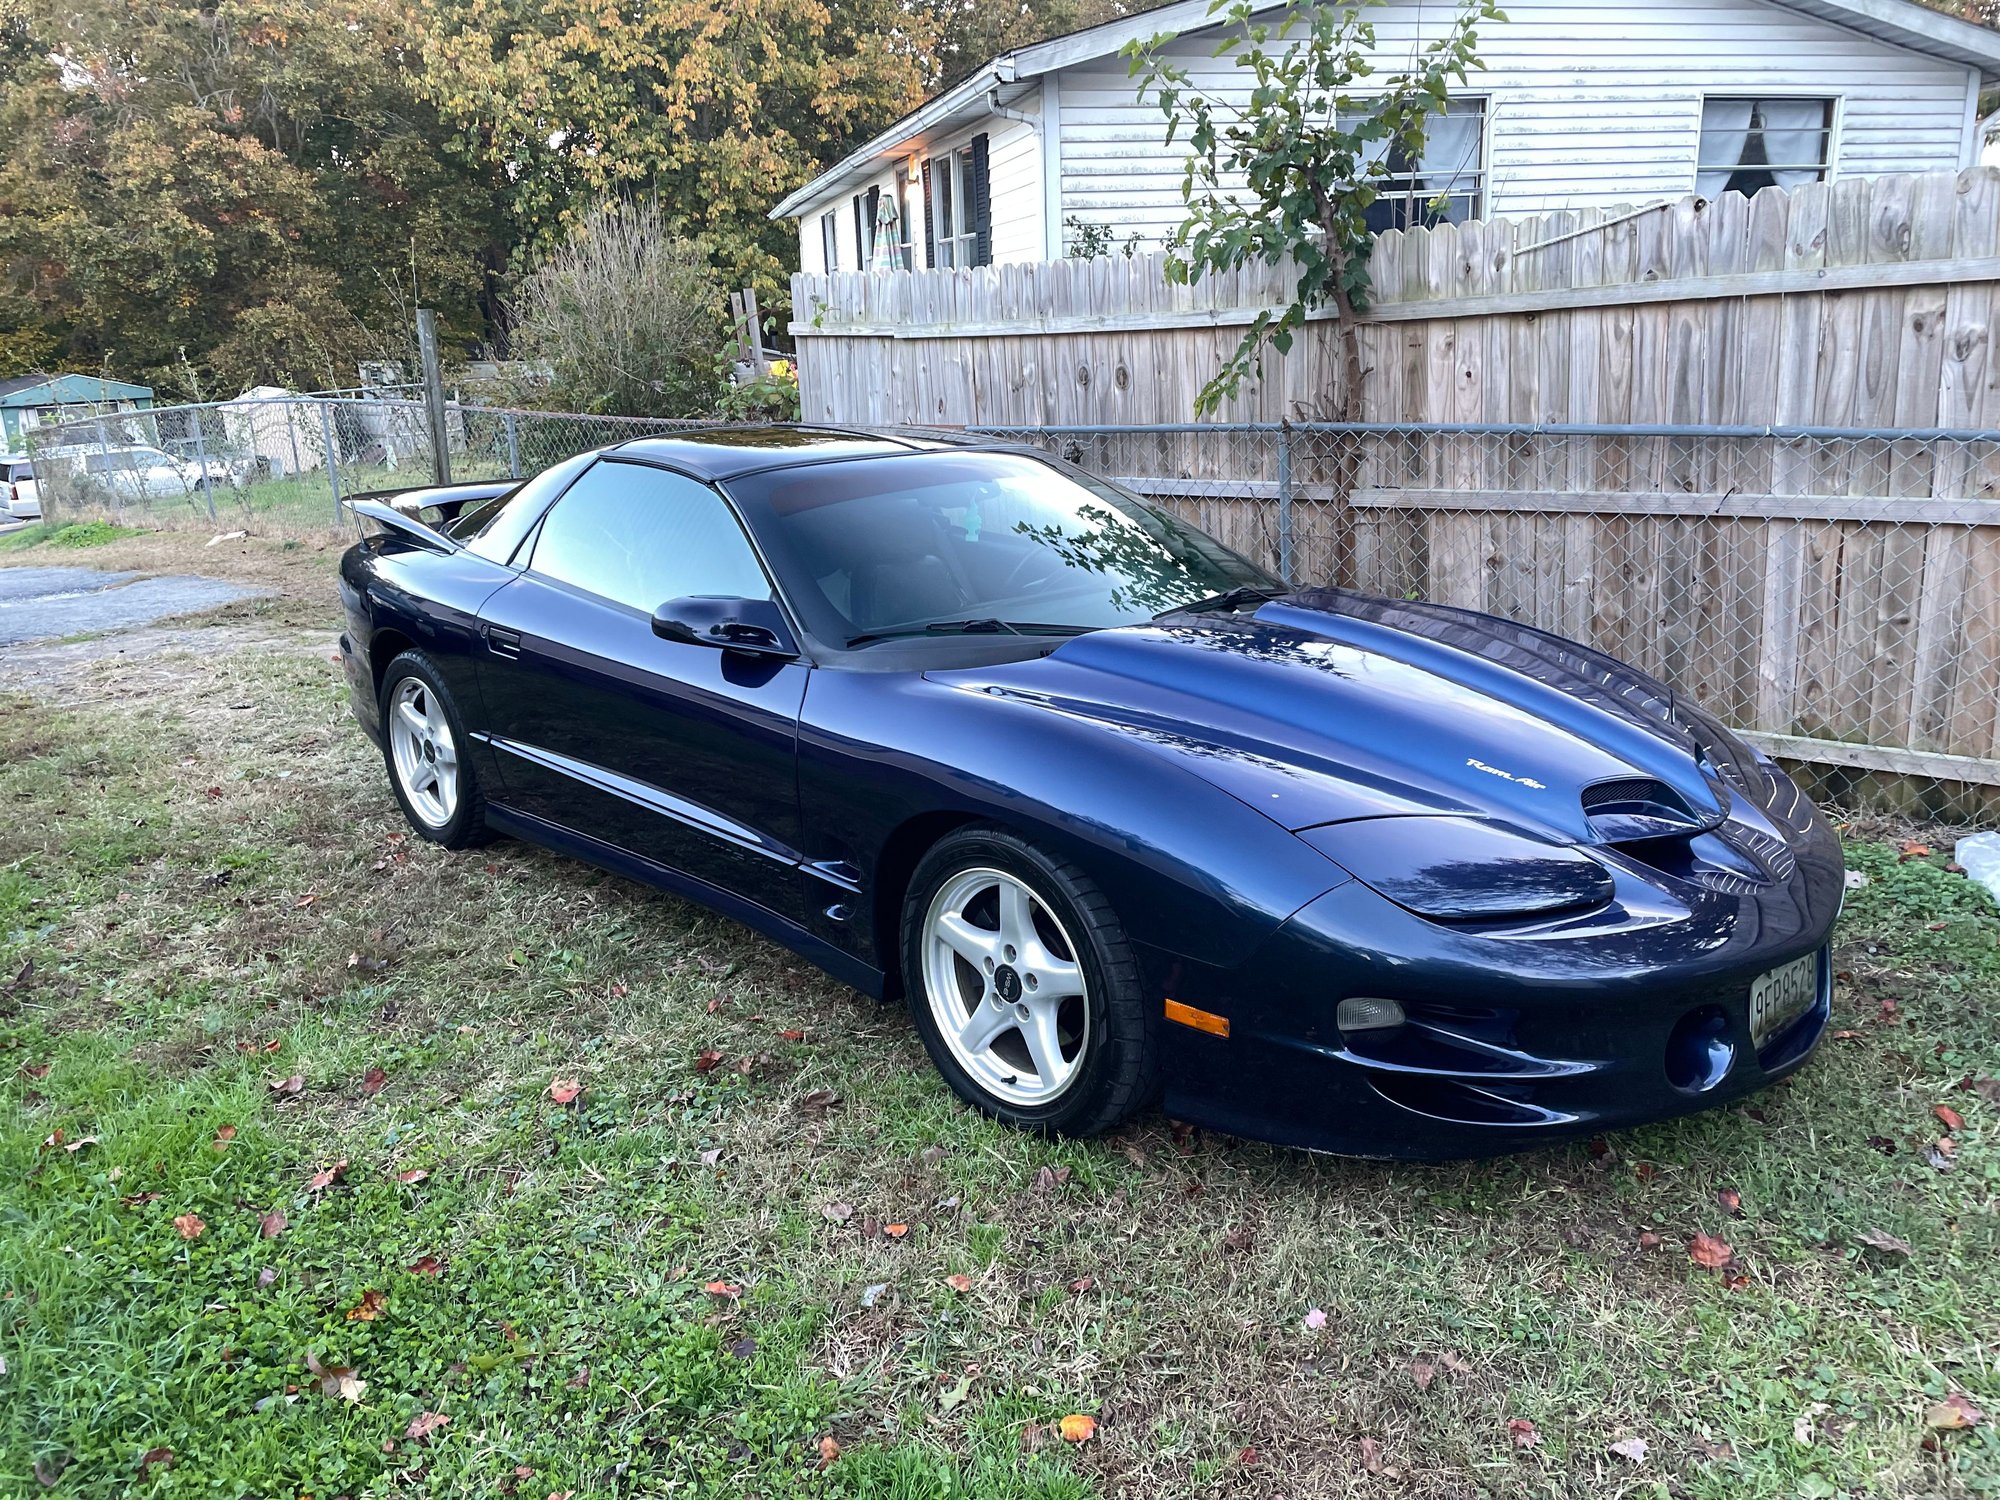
(982, 205)
(874, 207)
(930, 220)
(860, 238)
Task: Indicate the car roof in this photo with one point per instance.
(727, 452)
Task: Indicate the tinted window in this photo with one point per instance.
(643, 536)
(892, 545)
(495, 529)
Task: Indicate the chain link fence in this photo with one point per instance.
(291, 463)
(1832, 593)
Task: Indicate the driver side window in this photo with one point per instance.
(641, 536)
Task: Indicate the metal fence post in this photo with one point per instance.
(427, 350)
(292, 428)
(1285, 501)
(332, 458)
(513, 446)
(201, 458)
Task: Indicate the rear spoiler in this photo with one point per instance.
(401, 521)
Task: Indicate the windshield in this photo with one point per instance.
(974, 542)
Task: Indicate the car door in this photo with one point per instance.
(680, 753)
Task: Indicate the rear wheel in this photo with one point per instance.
(1023, 986)
(423, 742)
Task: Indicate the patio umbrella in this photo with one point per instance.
(888, 254)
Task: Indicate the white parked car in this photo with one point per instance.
(20, 499)
(133, 471)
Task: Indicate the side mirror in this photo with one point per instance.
(744, 627)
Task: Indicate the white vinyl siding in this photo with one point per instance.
(1587, 104)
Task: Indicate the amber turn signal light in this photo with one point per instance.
(1200, 1020)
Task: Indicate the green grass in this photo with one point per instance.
(194, 883)
(72, 536)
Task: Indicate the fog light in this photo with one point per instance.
(1365, 1013)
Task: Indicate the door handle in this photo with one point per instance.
(503, 642)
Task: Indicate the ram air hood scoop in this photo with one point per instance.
(1326, 706)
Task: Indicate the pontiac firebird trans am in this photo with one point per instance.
(1122, 815)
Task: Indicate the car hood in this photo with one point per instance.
(1326, 706)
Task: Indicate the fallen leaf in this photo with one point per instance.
(424, 1265)
(286, 1087)
(565, 1090)
(423, 1424)
(155, 1458)
(1953, 1414)
(337, 1381)
(959, 1282)
(222, 1138)
(1077, 1428)
(1913, 850)
(1707, 1250)
(711, 1156)
(1423, 1372)
(1648, 1240)
(320, 1181)
(1239, 1239)
(725, 1289)
(1950, 1117)
(895, 1231)
(839, 1213)
(79, 1143)
(1083, 1283)
(272, 1224)
(706, 1060)
(369, 1308)
(1630, 1448)
(190, 1226)
(373, 1080)
(35, 1070)
(792, 1036)
(829, 1450)
(1051, 1178)
(1521, 1432)
(1453, 1363)
(415, 1174)
(1881, 1239)
(1371, 1455)
(1315, 1318)
(951, 1397)
(1248, 1458)
(818, 1100)
(715, 1005)
(1731, 1200)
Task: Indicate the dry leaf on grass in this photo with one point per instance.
(424, 1265)
(222, 1138)
(284, 1088)
(1951, 1118)
(1077, 1428)
(369, 1308)
(959, 1282)
(564, 1090)
(1953, 1414)
(727, 1290)
(1522, 1434)
(1881, 1239)
(337, 1381)
(1707, 1250)
(272, 1224)
(320, 1181)
(423, 1424)
(373, 1081)
(829, 1450)
(190, 1226)
(1632, 1448)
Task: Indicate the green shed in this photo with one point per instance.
(31, 401)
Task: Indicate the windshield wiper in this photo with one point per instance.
(984, 626)
(1229, 601)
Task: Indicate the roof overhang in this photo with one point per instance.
(1901, 23)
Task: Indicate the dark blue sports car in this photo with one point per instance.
(1121, 814)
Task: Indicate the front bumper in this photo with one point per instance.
(1519, 1035)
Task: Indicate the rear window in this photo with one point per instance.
(495, 529)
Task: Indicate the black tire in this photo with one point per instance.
(1119, 1068)
(466, 827)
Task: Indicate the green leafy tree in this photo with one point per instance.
(1292, 170)
(714, 107)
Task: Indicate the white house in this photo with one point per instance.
(1582, 104)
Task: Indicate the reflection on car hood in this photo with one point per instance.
(1327, 705)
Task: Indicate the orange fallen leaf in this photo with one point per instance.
(222, 1138)
(1950, 1117)
(155, 1458)
(425, 1265)
(959, 1282)
(320, 1181)
(373, 1080)
(190, 1226)
(1953, 1414)
(1083, 1284)
(1707, 1250)
(1077, 1428)
(286, 1087)
(895, 1231)
(565, 1090)
(706, 1060)
(1521, 1432)
(829, 1450)
(415, 1174)
(423, 1424)
(792, 1036)
(725, 1289)
(369, 1308)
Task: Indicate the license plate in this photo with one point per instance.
(1780, 997)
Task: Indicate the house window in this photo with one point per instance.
(961, 215)
(829, 240)
(1750, 144)
(1446, 184)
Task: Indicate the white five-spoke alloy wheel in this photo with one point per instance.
(423, 752)
(1005, 988)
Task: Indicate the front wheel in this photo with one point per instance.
(424, 742)
(1024, 988)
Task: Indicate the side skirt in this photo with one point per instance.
(842, 966)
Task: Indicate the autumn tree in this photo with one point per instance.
(1287, 167)
(202, 193)
(714, 107)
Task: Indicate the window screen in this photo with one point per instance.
(1446, 184)
(641, 536)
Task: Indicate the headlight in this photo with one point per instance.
(1462, 869)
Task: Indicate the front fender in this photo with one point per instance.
(1191, 870)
